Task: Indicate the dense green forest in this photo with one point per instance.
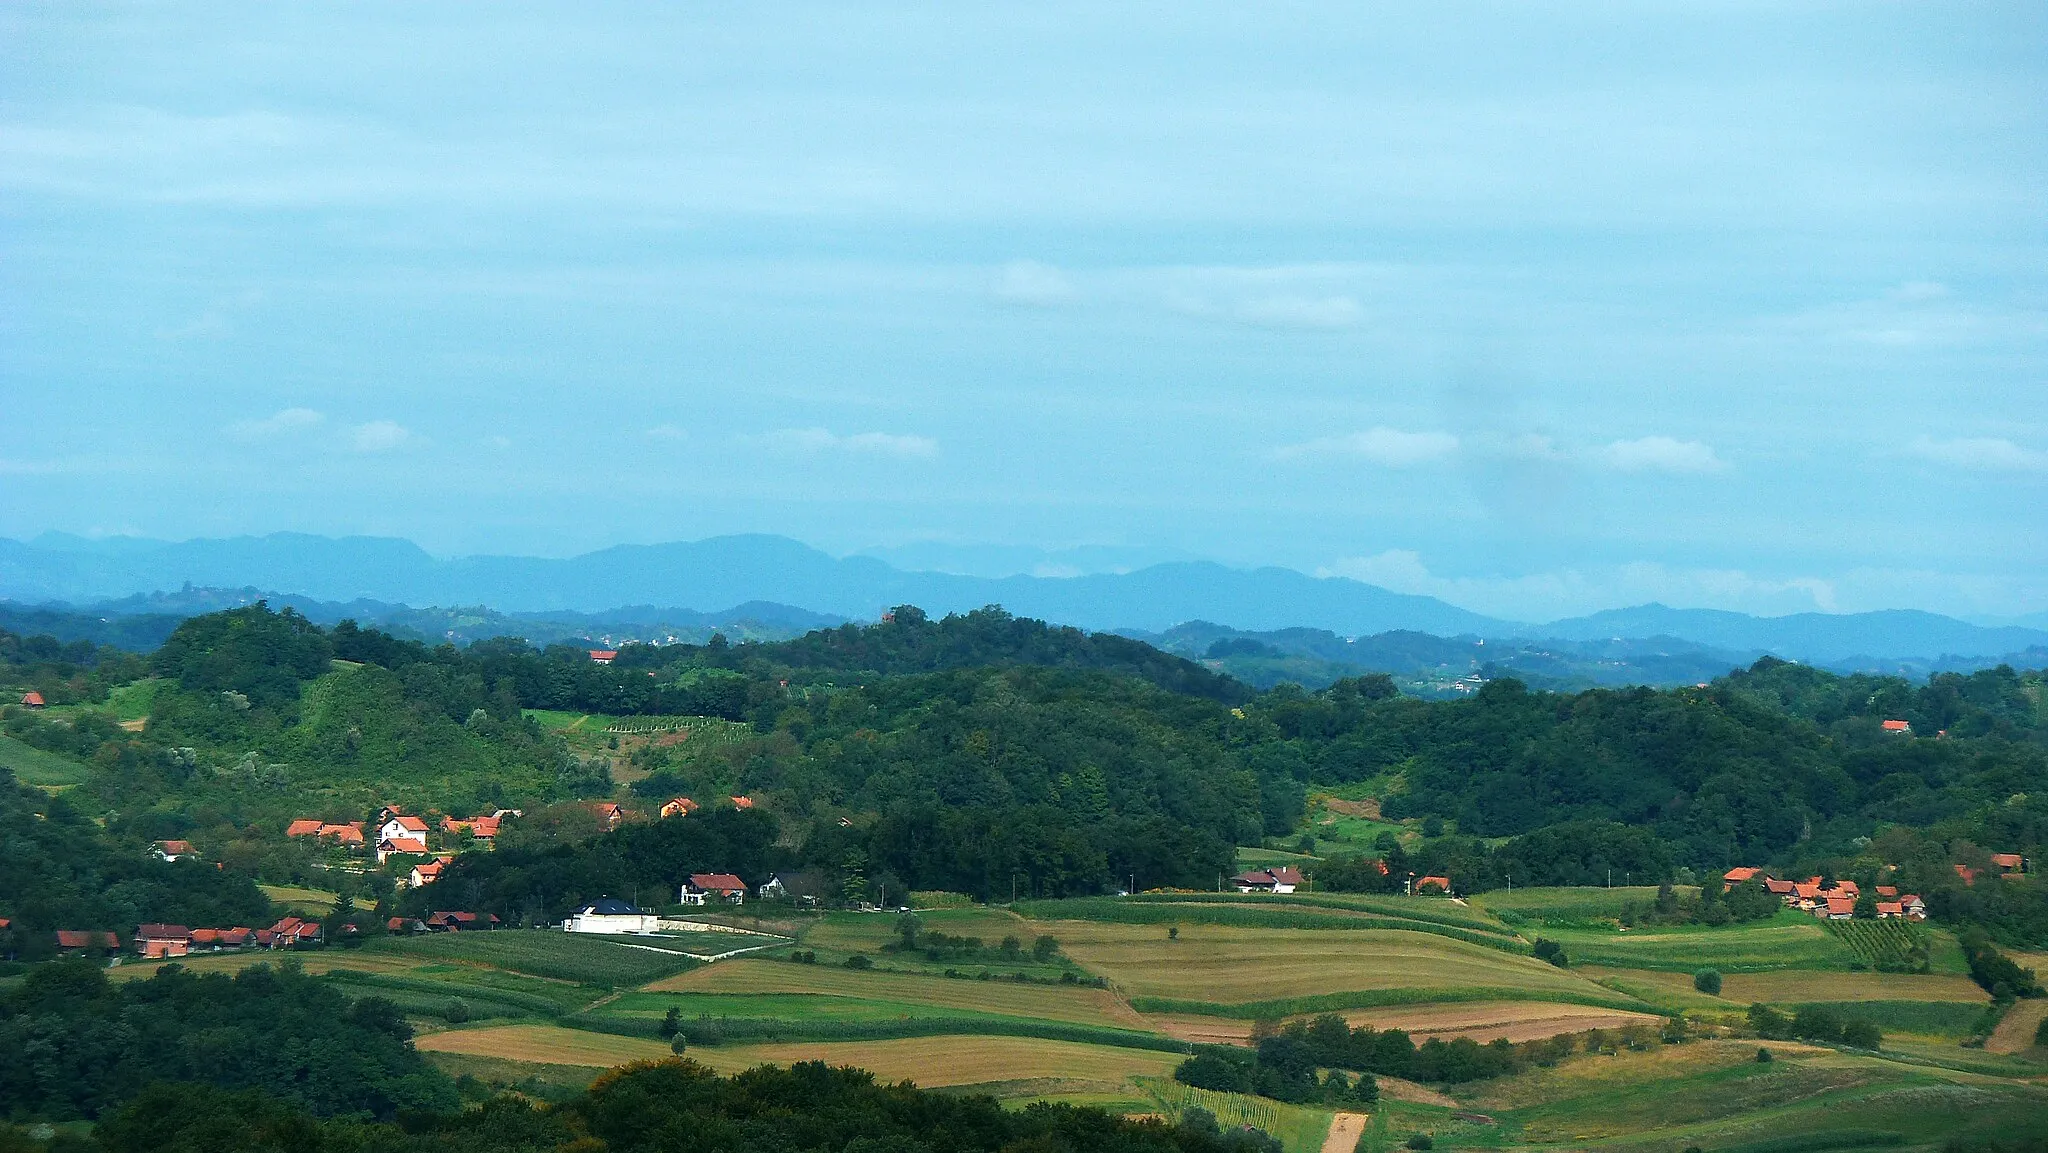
(59, 870)
(989, 755)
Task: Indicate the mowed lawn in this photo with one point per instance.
(1240, 966)
(1065, 1003)
(929, 1061)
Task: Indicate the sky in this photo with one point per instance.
(1541, 311)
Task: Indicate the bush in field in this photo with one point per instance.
(1862, 1035)
(1552, 952)
(1708, 981)
(456, 1011)
(2041, 1032)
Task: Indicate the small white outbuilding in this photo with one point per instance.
(611, 915)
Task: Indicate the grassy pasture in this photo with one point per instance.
(1430, 910)
(577, 957)
(1565, 904)
(134, 700)
(1777, 944)
(1949, 1019)
(1074, 1005)
(1791, 987)
(34, 766)
(301, 900)
(1264, 915)
(1241, 966)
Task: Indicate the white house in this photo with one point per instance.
(611, 915)
(703, 888)
(398, 826)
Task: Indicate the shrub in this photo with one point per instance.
(455, 1012)
(1861, 1034)
(1420, 1141)
(1552, 952)
(1708, 981)
(859, 961)
(672, 1022)
(2041, 1032)
(1763, 1056)
(678, 1044)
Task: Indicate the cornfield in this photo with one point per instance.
(1890, 943)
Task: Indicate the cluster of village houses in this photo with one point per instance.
(1836, 901)
(1287, 879)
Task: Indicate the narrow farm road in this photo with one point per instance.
(1345, 1130)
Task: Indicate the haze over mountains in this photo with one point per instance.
(696, 580)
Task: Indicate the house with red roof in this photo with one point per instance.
(678, 807)
(32, 700)
(290, 933)
(75, 941)
(401, 847)
(1968, 874)
(1281, 880)
(427, 872)
(451, 921)
(608, 814)
(1432, 885)
(1739, 875)
(303, 827)
(604, 656)
(159, 941)
(741, 802)
(1899, 728)
(171, 850)
(2009, 862)
(1838, 907)
(703, 888)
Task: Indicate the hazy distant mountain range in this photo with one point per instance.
(756, 572)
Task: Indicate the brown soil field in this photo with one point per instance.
(545, 1045)
(1047, 1002)
(1236, 965)
(1345, 1130)
(1485, 1020)
(1369, 808)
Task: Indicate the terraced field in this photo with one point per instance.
(1081, 1006)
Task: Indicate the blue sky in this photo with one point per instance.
(1736, 305)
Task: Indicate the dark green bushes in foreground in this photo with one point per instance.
(1815, 1023)
(675, 1106)
(75, 1045)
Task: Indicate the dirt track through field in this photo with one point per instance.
(1345, 1130)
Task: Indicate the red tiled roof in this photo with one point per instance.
(1891, 908)
(175, 848)
(303, 828)
(162, 933)
(1807, 890)
(1968, 874)
(405, 845)
(1740, 874)
(1897, 727)
(742, 802)
(604, 654)
(32, 700)
(1887, 890)
(717, 882)
(410, 824)
(349, 834)
(1848, 887)
(683, 805)
(1781, 888)
(87, 939)
(1286, 875)
(1841, 905)
(2007, 860)
(1443, 883)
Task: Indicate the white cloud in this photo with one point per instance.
(380, 436)
(1299, 312)
(1386, 446)
(1030, 283)
(1661, 454)
(1981, 454)
(281, 423)
(819, 440)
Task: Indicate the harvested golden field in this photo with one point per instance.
(2015, 1033)
(1794, 986)
(933, 1061)
(1047, 1002)
(1238, 965)
(545, 1045)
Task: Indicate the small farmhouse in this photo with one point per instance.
(703, 888)
(171, 850)
(159, 941)
(678, 807)
(604, 656)
(1282, 880)
(427, 872)
(611, 915)
(1432, 885)
(32, 700)
(806, 890)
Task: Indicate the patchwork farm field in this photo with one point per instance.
(928, 1061)
(1242, 967)
(577, 957)
(1799, 943)
(1073, 1004)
